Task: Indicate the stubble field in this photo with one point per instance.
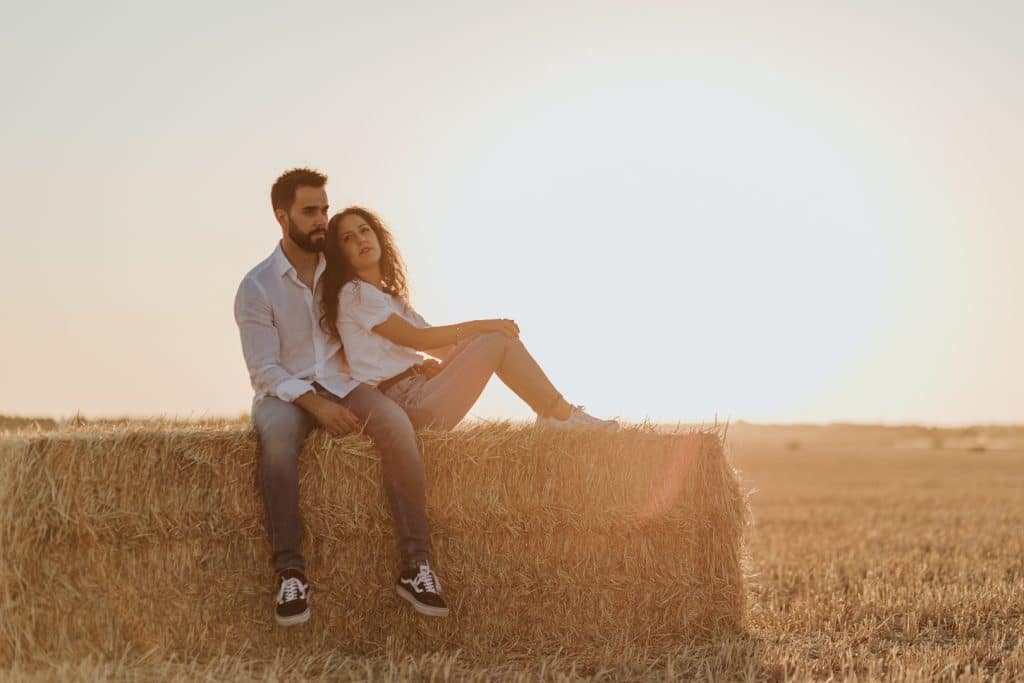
(875, 554)
(885, 554)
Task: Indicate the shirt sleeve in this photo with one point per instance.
(417, 319)
(365, 305)
(261, 345)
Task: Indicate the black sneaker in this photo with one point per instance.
(292, 598)
(421, 587)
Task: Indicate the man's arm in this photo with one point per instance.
(261, 345)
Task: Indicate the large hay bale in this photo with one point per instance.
(153, 541)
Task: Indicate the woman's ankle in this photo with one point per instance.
(557, 408)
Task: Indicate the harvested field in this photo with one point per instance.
(874, 555)
(877, 561)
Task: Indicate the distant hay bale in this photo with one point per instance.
(14, 423)
(152, 541)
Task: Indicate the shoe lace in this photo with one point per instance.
(291, 589)
(580, 414)
(426, 580)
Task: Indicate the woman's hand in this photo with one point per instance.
(431, 367)
(503, 325)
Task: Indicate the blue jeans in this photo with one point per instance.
(281, 429)
(443, 400)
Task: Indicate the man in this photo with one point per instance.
(298, 376)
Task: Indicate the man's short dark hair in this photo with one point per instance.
(282, 193)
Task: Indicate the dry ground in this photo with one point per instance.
(876, 558)
(875, 554)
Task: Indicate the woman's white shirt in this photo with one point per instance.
(372, 358)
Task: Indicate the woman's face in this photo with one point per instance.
(359, 244)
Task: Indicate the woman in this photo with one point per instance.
(365, 304)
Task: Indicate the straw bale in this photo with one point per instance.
(152, 541)
(15, 423)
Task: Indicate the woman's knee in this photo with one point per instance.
(493, 338)
(491, 344)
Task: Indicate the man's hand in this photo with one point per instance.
(334, 417)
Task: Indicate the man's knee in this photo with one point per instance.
(279, 452)
(281, 429)
(387, 423)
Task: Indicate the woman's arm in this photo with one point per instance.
(399, 331)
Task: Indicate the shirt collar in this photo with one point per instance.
(282, 265)
(280, 262)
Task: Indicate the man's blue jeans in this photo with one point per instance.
(281, 429)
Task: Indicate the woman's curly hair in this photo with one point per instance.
(338, 271)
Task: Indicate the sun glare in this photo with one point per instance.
(743, 248)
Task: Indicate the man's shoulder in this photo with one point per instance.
(259, 273)
(255, 283)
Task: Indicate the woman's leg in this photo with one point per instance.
(443, 400)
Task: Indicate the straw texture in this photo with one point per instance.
(152, 541)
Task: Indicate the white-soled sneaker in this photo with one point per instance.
(578, 419)
(292, 606)
(422, 589)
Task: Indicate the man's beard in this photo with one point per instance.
(305, 242)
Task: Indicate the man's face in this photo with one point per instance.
(305, 223)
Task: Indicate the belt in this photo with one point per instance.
(391, 381)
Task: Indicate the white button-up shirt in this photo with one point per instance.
(372, 358)
(282, 341)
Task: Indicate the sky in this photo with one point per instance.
(766, 211)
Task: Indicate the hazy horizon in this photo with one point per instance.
(776, 214)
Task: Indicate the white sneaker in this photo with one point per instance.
(578, 419)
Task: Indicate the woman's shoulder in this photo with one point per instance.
(349, 288)
(356, 292)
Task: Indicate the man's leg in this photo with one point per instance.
(404, 482)
(281, 429)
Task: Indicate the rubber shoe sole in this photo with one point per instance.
(293, 620)
(427, 610)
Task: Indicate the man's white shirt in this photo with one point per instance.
(284, 346)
